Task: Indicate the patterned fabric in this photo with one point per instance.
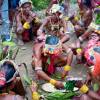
(2, 78)
(92, 47)
(96, 71)
(52, 45)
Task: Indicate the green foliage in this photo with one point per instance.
(97, 21)
(73, 1)
(40, 4)
(43, 4)
(61, 96)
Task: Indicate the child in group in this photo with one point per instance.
(27, 22)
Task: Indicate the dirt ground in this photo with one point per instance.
(78, 70)
(25, 56)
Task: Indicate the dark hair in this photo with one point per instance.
(87, 3)
(8, 69)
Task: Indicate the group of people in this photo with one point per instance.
(50, 36)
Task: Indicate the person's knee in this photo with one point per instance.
(68, 37)
(37, 48)
(38, 71)
(79, 30)
(77, 27)
(85, 97)
(32, 63)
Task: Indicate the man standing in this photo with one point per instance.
(12, 4)
(1, 2)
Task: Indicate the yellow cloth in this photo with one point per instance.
(26, 25)
(84, 89)
(35, 96)
(67, 68)
(52, 81)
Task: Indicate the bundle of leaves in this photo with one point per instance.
(61, 96)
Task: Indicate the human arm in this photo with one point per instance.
(67, 67)
(63, 32)
(49, 6)
(38, 67)
(40, 30)
(19, 24)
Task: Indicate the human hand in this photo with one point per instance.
(64, 73)
(89, 78)
(20, 30)
(79, 84)
(59, 84)
(39, 32)
(67, 68)
(41, 37)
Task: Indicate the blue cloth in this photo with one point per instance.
(97, 49)
(4, 28)
(52, 40)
